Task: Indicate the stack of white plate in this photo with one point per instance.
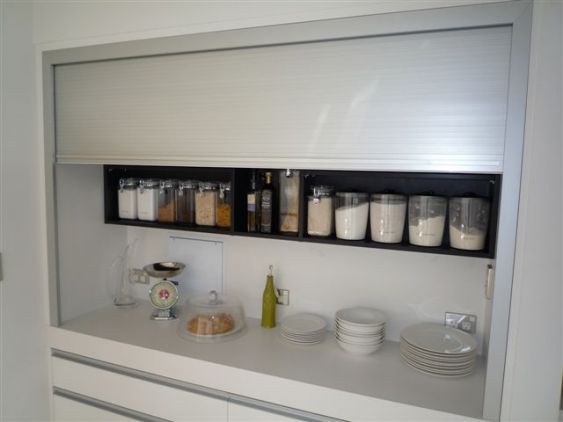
(360, 330)
(438, 350)
(304, 329)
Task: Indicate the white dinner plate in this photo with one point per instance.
(437, 358)
(438, 365)
(361, 316)
(438, 374)
(438, 338)
(303, 323)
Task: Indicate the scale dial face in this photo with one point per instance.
(163, 295)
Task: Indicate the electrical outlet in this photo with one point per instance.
(464, 322)
(137, 275)
(282, 298)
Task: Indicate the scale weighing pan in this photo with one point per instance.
(164, 269)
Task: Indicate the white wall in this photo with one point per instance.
(408, 287)
(535, 346)
(65, 23)
(23, 355)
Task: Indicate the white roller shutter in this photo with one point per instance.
(420, 102)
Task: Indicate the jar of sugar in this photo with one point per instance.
(469, 220)
(427, 218)
(351, 215)
(127, 198)
(320, 211)
(387, 217)
(147, 199)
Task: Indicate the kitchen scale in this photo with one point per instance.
(164, 294)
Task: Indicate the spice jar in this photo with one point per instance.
(351, 215)
(320, 211)
(206, 204)
(167, 201)
(387, 217)
(185, 201)
(427, 217)
(127, 198)
(147, 199)
(223, 214)
(469, 219)
(289, 201)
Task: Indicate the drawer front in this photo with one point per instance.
(239, 413)
(139, 395)
(72, 410)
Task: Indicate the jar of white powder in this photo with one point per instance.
(427, 218)
(147, 199)
(351, 215)
(387, 217)
(320, 211)
(127, 198)
(469, 220)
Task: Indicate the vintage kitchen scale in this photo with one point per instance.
(164, 294)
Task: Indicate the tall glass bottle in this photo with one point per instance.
(253, 206)
(267, 205)
(269, 302)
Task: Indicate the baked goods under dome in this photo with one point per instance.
(211, 317)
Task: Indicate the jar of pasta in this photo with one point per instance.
(206, 204)
(223, 213)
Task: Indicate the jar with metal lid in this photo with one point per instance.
(127, 198)
(320, 211)
(167, 201)
(289, 182)
(351, 215)
(206, 204)
(147, 199)
(223, 212)
(469, 220)
(185, 201)
(427, 218)
(387, 217)
(211, 317)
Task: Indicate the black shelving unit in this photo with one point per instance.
(443, 184)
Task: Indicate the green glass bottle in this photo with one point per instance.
(269, 302)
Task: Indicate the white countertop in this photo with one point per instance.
(381, 376)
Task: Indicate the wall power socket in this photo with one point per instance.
(464, 322)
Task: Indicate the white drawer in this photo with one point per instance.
(72, 410)
(137, 394)
(239, 413)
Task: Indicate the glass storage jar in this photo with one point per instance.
(206, 204)
(351, 215)
(387, 217)
(167, 201)
(320, 211)
(427, 217)
(211, 317)
(289, 201)
(185, 201)
(147, 199)
(469, 220)
(223, 212)
(127, 198)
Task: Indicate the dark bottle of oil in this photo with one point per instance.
(267, 204)
(253, 206)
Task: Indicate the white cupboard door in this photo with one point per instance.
(240, 413)
(431, 101)
(72, 410)
(137, 394)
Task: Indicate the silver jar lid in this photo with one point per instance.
(207, 186)
(188, 184)
(128, 183)
(149, 184)
(168, 184)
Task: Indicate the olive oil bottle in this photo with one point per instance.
(267, 205)
(269, 302)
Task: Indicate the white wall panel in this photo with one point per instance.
(431, 101)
